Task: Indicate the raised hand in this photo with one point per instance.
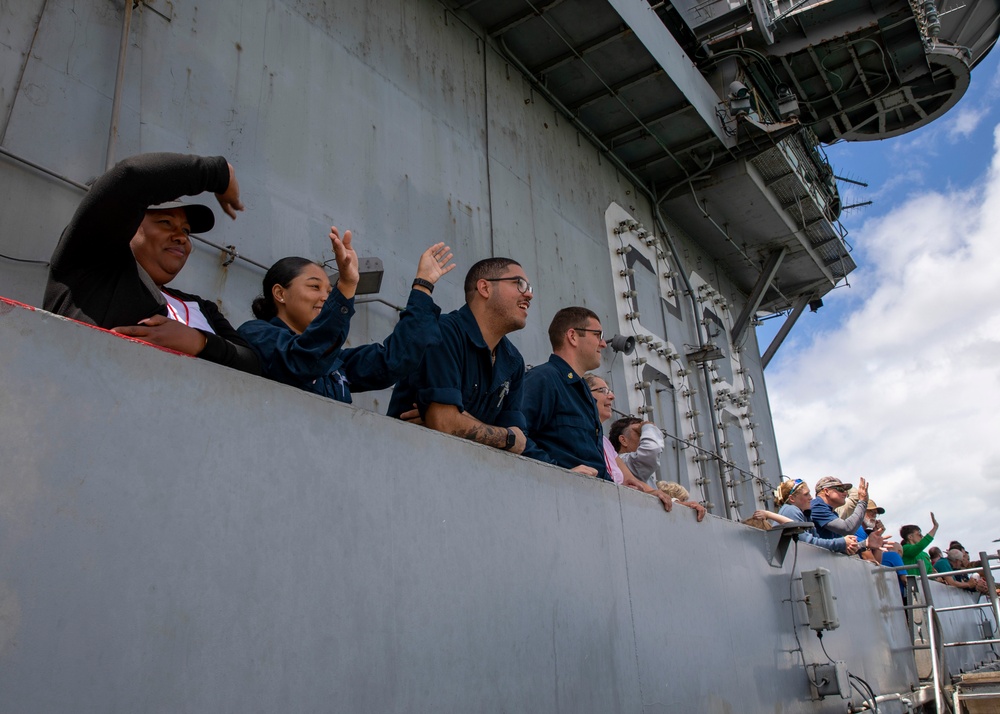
(875, 539)
(862, 490)
(347, 262)
(434, 262)
(230, 198)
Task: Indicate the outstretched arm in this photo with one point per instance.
(109, 215)
(848, 526)
(629, 480)
(770, 515)
(378, 366)
(229, 199)
(646, 457)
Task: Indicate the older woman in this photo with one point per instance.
(303, 323)
(617, 469)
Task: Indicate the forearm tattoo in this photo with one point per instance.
(485, 434)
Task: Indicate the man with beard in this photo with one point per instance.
(870, 538)
(470, 384)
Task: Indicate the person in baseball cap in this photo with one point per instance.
(129, 238)
(831, 493)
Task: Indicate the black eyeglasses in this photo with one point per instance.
(602, 390)
(523, 286)
(599, 333)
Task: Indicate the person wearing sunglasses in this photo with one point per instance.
(470, 383)
(793, 501)
(831, 493)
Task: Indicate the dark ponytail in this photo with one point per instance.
(281, 273)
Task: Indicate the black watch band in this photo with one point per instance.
(423, 283)
(511, 439)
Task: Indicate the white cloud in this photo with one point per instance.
(965, 122)
(904, 391)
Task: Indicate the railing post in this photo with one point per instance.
(925, 583)
(935, 671)
(992, 592)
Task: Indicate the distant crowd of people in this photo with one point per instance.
(845, 520)
(457, 373)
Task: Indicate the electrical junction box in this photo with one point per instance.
(820, 601)
(827, 680)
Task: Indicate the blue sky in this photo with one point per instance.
(894, 378)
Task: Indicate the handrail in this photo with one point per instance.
(974, 605)
(936, 645)
(991, 584)
(971, 642)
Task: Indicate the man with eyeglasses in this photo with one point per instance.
(563, 423)
(470, 384)
(831, 493)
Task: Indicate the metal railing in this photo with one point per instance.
(935, 642)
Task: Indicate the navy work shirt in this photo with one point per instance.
(459, 372)
(563, 423)
(316, 361)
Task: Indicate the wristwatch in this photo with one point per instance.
(424, 284)
(511, 439)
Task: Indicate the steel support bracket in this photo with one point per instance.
(786, 327)
(777, 539)
(757, 294)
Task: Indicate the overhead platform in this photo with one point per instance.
(716, 108)
(861, 70)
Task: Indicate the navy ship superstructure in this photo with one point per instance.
(177, 536)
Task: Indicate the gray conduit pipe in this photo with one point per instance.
(116, 102)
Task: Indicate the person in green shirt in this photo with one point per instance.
(914, 543)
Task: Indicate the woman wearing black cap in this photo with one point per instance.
(129, 238)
